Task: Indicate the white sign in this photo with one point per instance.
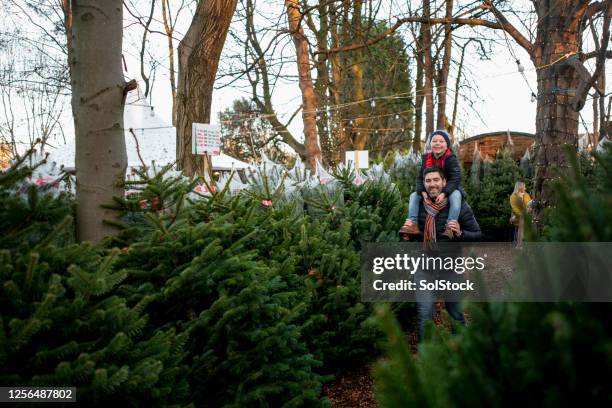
(205, 139)
(359, 159)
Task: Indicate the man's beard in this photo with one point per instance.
(432, 197)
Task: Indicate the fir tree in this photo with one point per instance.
(535, 354)
(62, 323)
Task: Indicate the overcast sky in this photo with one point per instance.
(504, 95)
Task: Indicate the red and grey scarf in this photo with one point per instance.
(431, 161)
(432, 210)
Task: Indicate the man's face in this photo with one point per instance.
(434, 183)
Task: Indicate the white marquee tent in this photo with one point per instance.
(156, 141)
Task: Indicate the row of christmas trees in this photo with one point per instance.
(253, 299)
(214, 300)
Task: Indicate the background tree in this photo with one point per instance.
(246, 134)
(388, 87)
(558, 55)
(34, 75)
(198, 57)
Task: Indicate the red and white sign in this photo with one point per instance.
(205, 139)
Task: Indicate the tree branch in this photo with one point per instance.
(587, 81)
(509, 28)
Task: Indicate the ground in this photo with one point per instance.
(355, 388)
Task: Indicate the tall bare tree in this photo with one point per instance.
(427, 68)
(442, 121)
(198, 56)
(98, 97)
(558, 56)
(309, 97)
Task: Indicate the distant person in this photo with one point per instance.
(440, 156)
(520, 202)
(432, 219)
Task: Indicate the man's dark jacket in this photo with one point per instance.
(470, 230)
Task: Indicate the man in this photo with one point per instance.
(432, 221)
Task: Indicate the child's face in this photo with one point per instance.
(438, 144)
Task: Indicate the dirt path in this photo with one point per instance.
(355, 389)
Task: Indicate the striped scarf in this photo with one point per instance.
(432, 210)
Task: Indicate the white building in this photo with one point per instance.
(156, 141)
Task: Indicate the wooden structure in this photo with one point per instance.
(5, 155)
(490, 144)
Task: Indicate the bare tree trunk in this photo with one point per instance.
(556, 119)
(336, 84)
(266, 106)
(428, 67)
(143, 49)
(443, 75)
(457, 88)
(67, 10)
(345, 37)
(198, 56)
(309, 98)
(418, 103)
(169, 29)
(98, 97)
(594, 138)
(322, 82)
(603, 126)
(361, 137)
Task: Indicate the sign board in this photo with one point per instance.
(359, 158)
(205, 139)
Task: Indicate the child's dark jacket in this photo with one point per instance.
(452, 173)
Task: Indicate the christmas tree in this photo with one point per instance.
(544, 354)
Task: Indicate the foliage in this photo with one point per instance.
(583, 210)
(245, 134)
(386, 72)
(490, 199)
(62, 322)
(541, 354)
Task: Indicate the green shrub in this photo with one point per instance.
(62, 322)
(533, 354)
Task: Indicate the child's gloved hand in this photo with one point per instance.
(440, 198)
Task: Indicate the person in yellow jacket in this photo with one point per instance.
(520, 201)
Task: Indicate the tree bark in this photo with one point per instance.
(428, 67)
(336, 84)
(169, 29)
(266, 106)
(442, 122)
(419, 90)
(328, 145)
(309, 98)
(556, 118)
(453, 126)
(198, 58)
(361, 135)
(98, 98)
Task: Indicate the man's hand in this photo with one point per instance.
(455, 227)
(440, 198)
